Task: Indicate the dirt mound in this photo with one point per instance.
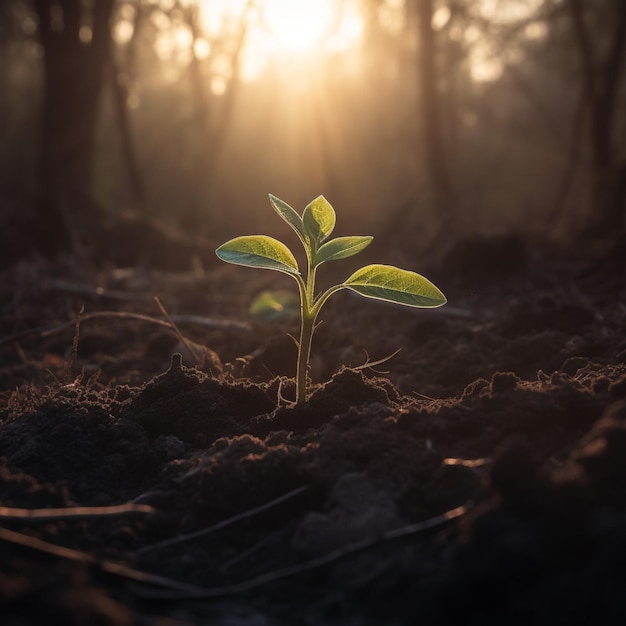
(481, 480)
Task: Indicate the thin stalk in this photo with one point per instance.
(309, 310)
(307, 328)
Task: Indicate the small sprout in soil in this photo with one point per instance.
(381, 282)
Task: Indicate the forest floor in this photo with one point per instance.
(477, 477)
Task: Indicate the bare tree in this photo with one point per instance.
(213, 126)
(119, 81)
(602, 77)
(431, 110)
(76, 45)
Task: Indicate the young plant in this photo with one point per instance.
(381, 282)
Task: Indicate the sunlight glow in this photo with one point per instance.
(484, 66)
(297, 26)
(292, 39)
(288, 34)
(441, 17)
(183, 37)
(123, 32)
(508, 11)
(487, 60)
(391, 15)
(201, 48)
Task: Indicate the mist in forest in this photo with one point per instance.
(418, 119)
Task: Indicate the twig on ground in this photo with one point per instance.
(73, 512)
(110, 567)
(48, 331)
(259, 545)
(223, 524)
(175, 590)
(372, 364)
(177, 332)
(307, 566)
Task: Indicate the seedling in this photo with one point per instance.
(381, 282)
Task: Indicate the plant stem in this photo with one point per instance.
(309, 310)
(307, 326)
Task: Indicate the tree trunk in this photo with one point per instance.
(435, 153)
(135, 179)
(213, 118)
(602, 77)
(73, 77)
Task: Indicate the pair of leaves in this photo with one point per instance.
(315, 226)
(381, 282)
(269, 253)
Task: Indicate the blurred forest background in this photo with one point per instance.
(425, 118)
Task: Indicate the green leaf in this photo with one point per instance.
(385, 282)
(275, 305)
(319, 221)
(258, 251)
(341, 248)
(290, 216)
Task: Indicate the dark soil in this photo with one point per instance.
(477, 477)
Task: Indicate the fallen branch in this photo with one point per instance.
(307, 566)
(175, 590)
(188, 344)
(110, 567)
(223, 524)
(73, 512)
(48, 331)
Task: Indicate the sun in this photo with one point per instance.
(298, 26)
(286, 34)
